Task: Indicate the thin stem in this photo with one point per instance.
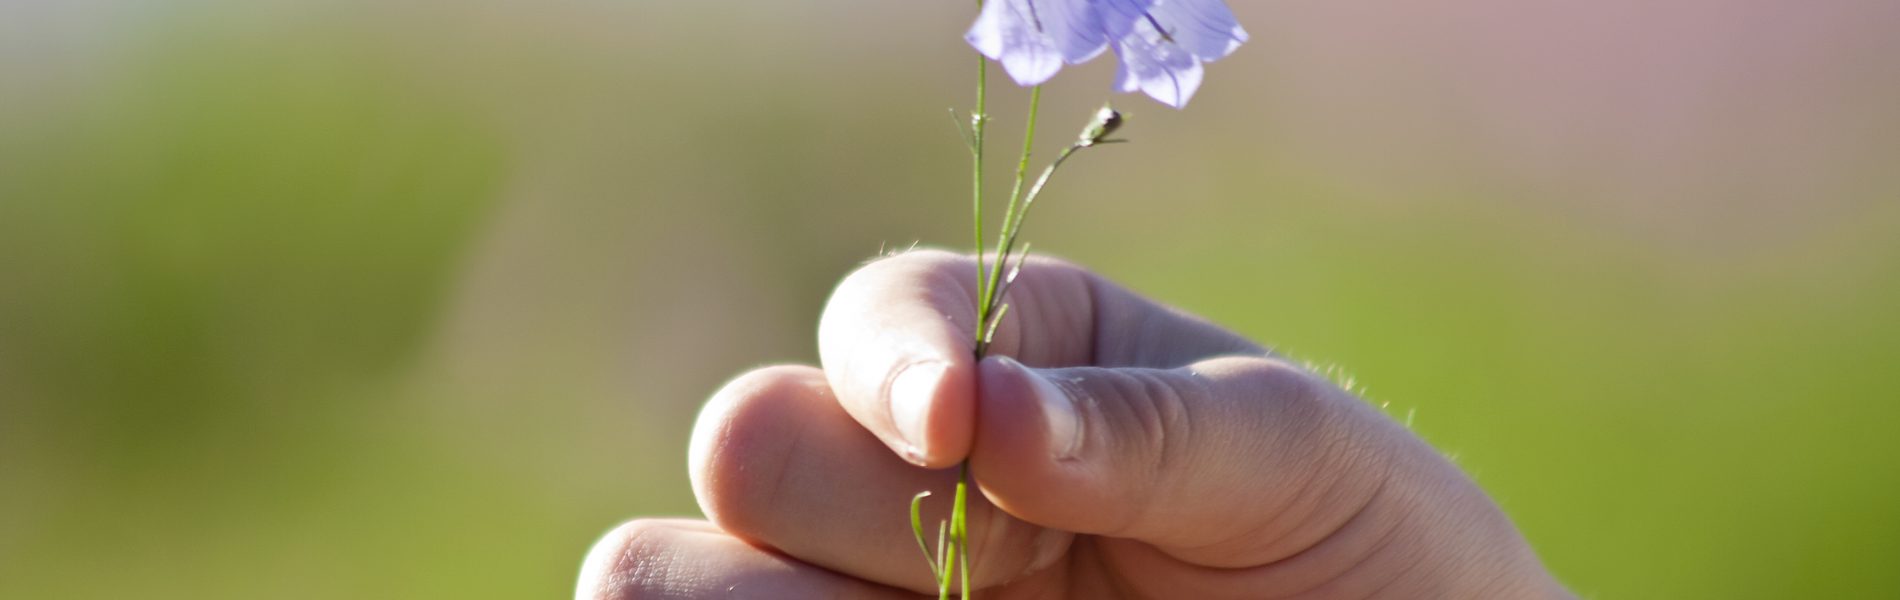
(1010, 232)
(1013, 225)
(977, 121)
(1011, 220)
(960, 516)
(956, 555)
(1029, 141)
(987, 310)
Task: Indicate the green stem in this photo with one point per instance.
(1011, 219)
(1010, 230)
(987, 299)
(1029, 141)
(959, 515)
(977, 121)
(956, 555)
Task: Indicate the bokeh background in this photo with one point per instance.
(356, 299)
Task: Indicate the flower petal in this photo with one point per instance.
(1033, 38)
(1163, 69)
(1204, 27)
(1119, 16)
(1074, 25)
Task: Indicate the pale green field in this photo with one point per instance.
(346, 300)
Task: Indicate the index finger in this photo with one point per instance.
(897, 341)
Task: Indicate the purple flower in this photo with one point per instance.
(1161, 43)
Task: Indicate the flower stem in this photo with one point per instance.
(1029, 141)
(1007, 243)
(978, 119)
(953, 561)
(955, 557)
(991, 297)
(959, 515)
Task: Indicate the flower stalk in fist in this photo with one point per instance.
(1161, 46)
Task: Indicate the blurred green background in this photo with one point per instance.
(306, 299)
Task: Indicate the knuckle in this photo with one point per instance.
(1162, 415)
(1146, 432)
(1304, 403)
(1142, 412)
(1342, 435)
(1302, 414)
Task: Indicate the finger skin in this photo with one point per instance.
(1196, 465)
(1242, 477)
(920, 308)
(1426, 537)
(1416, 537)
(679, 558)
(890, 316)
(1231, 462)
(776, 461)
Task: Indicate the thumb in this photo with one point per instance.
(1227, 462)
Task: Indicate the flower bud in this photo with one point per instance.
(1107, 120)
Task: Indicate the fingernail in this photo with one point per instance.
(910, 395)
(1060, 422)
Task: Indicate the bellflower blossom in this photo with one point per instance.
(1160, 43)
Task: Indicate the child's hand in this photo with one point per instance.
(1141, 452)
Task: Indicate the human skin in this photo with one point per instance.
(1122, 448)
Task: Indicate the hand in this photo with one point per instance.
(1122, 449)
